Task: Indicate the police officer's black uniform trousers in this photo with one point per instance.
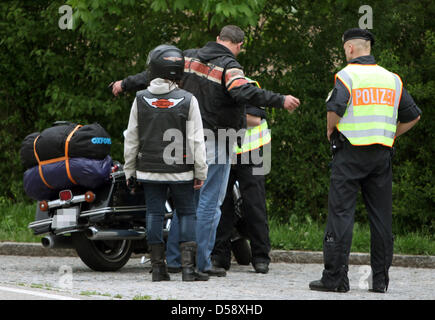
(367, 168)
(255, 225)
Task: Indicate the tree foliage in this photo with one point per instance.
(292, 47)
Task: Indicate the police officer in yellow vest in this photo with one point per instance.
(252, 189)
(366, 111)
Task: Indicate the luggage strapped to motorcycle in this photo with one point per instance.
(64, 158)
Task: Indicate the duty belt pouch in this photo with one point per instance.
(392, 152)
(336, 142)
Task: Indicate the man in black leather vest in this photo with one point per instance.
(164, 149)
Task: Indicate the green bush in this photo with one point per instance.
(292, 47)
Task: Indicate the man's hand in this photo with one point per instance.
(332, 119)
(131, 184)
(117, 88)
(197, 184)
(404, 127)
(291, 103)
(329, 133)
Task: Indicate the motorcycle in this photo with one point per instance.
(107, 225)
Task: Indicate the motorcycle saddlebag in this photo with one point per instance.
(88, 173)
(88, 141)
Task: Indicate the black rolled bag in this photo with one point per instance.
(64, 156)
(88, 141)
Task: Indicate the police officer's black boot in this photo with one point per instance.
(318, 285)
(380, 279)
(188, 256)
(158, 264)
(381, 257)
(334, 276)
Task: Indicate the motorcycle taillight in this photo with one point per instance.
(65, 195)
(89, 196)
(43, 205)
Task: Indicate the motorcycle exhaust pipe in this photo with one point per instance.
(93, 233)
(56, 242)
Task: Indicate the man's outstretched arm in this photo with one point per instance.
(245, 93)
(131, 83)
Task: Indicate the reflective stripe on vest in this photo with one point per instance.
(255, 137)
(371, 113)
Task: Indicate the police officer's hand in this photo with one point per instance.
(291, 103)
(328, 134)
(197, 184)
(117, 88)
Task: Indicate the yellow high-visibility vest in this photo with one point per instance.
(371, 113)
(255, 137)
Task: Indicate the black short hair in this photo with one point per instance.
(232, 33)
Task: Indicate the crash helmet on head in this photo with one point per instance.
(166, 62)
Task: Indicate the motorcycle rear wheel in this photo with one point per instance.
(100, 255)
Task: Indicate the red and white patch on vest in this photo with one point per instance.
(162, 103)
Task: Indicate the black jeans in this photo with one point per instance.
(252, 189)
(353, 168)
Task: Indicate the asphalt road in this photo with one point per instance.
(67, 277)
(14, 292)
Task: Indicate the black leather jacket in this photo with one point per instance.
(213, 75)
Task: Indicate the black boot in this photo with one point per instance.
(319, 286)
(158, 264)
(188, 255)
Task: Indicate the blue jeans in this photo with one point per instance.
(173, 256)
(208, 213)
(155, 197)
(209, 200)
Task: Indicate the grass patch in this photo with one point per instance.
(139, 297)
(14, 219)
(294, 234)
(89, 293)
(308, 235)
(45, 286)
(415, 243)
(95, 293)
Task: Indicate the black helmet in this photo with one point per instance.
(166, 62)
